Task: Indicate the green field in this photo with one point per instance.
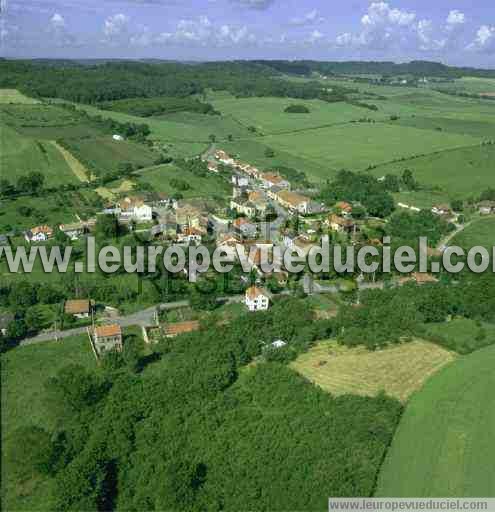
(444, 444)
(482, 129)
(24, 372)
(180, 127)
(268, 116)
(480, 232)
(53, 209)
(47, 122)
(20, 155)
(461, 172)
(160, 179)
(103, 154)
(357, 146)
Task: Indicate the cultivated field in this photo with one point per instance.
(20, 155)
(104, 154)
(14, 96)
(268, 116)
(357, 146)
(444, 443)
(399, 371)
(77, 167)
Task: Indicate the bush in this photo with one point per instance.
(296, 109)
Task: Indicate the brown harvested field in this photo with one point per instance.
(489, 94)
(399, 370)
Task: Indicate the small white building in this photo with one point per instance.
(135, 208)
(278, 344)
(118, 138)
(257, 299)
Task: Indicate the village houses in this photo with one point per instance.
(244, 228)
(134, 208)
(79, 308)
(106, 338)
(340, 224)
(270, 179)
(257, 299)
(486, 207)
(39, 234)
(293, 202)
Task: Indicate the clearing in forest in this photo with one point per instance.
(399, 370)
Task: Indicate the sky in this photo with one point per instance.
(456, 32)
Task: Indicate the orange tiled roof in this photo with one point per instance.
(108, 330)
(253, 291)
(47, 230)
(73, 307)
(181, 327)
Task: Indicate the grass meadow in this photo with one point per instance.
(268, 116)
(357, 146)
(481, 232)
(460, 172)
(161, 179)
(399, 371)
(444, 442)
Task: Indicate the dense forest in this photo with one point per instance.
(200, 431)
(120, 80)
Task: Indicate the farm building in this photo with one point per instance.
(80, 308)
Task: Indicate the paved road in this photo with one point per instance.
(143, 318)
(444, 243)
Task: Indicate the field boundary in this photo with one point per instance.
(80, 171)
(423, 155)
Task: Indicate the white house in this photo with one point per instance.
(118, 138)
(190, 235)
(270, 179)
(39, 234)
(135, 208)
(257, 299)
(240, 181)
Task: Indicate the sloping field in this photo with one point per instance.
(460, 172)
(481, 232)
(163, 178)
(268, 116)
(482, 129)
(357, 146)
(20, 155)
(14, 96)
(24, 373)
(47, 122)
(104, 154)
(398, 371)
(253, 151)
(76, 166)
(176, 127)
(444, 444)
